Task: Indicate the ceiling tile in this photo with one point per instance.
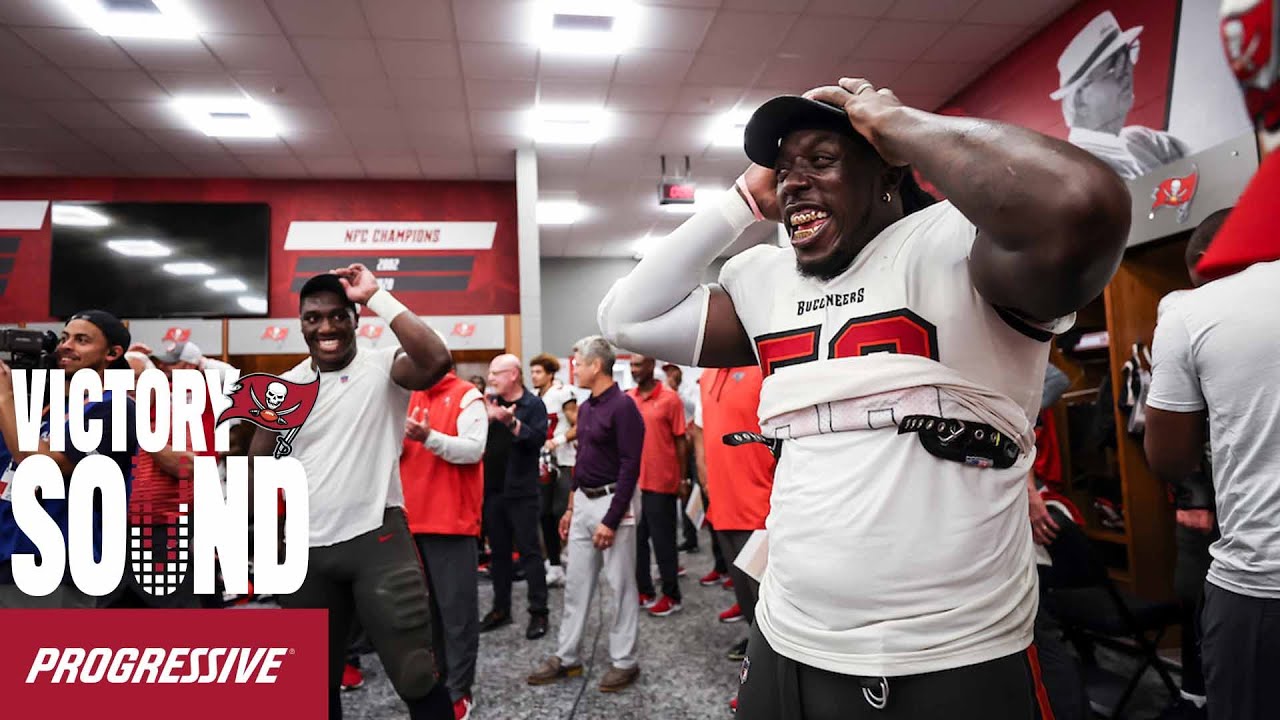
(652, 67)
(707, 99)
(279, 89)
(431, 143)
(499, 61)
(587, 69)
(40, 83)
(416, 19)
(333, 166)
(371, 91)
(119, 140)
(447, 166)
(755, 97)
(649, 98)
(39, 13)
(24, 114)
(683, 134)
(324, 18)
(236, 16)
(857, 8)
(799, 75)
(734, 69)
(85, 164)
(683, 3)
(494, 20)
(197, 83)
(276, 166)
(255, 52)
(182, 57)
(743, 32)
(148, 115)
(27, 163)
(14, 52)
(81, 113)
(496, 166)
(824, 37)
(299, 119)
(567, 93)
(433, 93)
(183, 142)
(666, 28)
(388, 166)
(932, 10)
(380, 143)
(637, 125)
(898, 40)
(213, 165)
(500, 95)
(966, 43)
(880, 72)
(319, 143)
(419, 58)
(497, 122)
(42, 139)
(935, 78)
(1016, 12)
(501, 142)
(777, 6)
(76, 48)
(355, 119)
(118, 84)
(339, 57)
(439, 123)
(243, 146)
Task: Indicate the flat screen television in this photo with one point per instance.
(160, 260)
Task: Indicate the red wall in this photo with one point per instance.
(493, 283)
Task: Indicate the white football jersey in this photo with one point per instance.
(558, 425)
(885, 560)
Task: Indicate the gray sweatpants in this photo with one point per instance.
(585, 560)
(450, 561)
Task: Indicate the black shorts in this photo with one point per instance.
(776, 688)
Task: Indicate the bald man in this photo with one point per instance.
(517, 418)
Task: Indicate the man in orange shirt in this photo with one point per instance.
(443, 478)
(739, 479)
(662, 469)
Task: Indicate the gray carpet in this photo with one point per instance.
(684, 673)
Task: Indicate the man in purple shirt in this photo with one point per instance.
(600, 525)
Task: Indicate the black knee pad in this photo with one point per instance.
(402, 594)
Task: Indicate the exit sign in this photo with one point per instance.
(675, 192)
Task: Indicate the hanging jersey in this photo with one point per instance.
(886, 560)
(558, 424)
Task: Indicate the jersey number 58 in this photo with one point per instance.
(896, 331)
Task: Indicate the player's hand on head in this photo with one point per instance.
(763, 186)
(865, 105)
(358, 281)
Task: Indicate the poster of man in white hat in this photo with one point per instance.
(1096, 90)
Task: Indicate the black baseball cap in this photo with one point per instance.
(772, 121)
(112, 329)
(325, 283)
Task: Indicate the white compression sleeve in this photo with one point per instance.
(660, 307)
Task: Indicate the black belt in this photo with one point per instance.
(962, 441)
(598, 492)
(745, 438)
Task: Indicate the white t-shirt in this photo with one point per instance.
(555, 399)
(883, 559)
(350, 445)
(1218, 347)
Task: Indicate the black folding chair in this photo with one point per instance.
(1093, 611)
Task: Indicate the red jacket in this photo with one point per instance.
(441, 498)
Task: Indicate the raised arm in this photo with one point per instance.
(1052, 220)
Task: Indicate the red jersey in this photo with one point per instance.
(663, 414)
(739, 479)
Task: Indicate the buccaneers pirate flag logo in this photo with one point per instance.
(272, 403)
(1175, 192)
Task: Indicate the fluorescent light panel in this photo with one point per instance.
(139, 248)
(591, 27)
(728, 128)
(137, 18)
(228, 117)
(567, 124)
(188, 268)
(226, 285)
(558, 212)
(79, 216)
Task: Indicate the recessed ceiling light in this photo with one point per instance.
(78, 215)
(228, 117)
(594, 27)
(188, 268)
(139, 248)
(137, 18)
(226, 285)
(728, 128)
(567, 124)
(701, 197)
(252, 303)
(558, 212)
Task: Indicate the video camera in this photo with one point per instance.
(28, 349)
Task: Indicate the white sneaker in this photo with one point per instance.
(555, 576)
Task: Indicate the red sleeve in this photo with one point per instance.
(676, 410)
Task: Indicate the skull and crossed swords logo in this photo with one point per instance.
(275, 393)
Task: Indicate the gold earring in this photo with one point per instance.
(886, 197)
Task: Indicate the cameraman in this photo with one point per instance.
(91, 340)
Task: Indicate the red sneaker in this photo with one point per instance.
(733, 705)
(728, 584)
(462, 708)
(647, 601)
(681, 572)
(352, 678)
(711, 578)
(733, 614)
(664, 607)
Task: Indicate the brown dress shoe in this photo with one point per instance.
(551, 670)
(618, 679)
